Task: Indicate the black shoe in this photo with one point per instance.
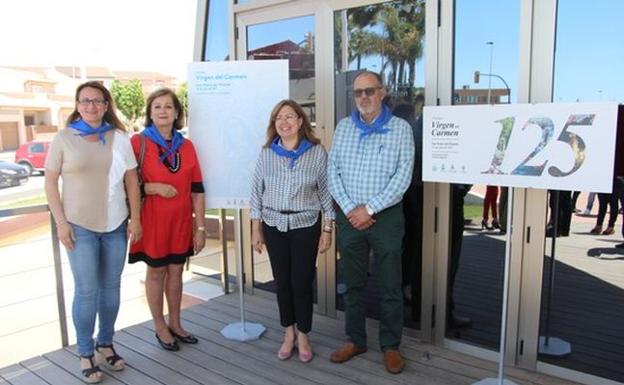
(114, 361)
(620, 246)
(190, 339)
(550, 232)
(171, 346)
(89, 372)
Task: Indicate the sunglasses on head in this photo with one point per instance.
(370, 91)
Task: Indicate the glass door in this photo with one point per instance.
(580, 322)
(387, 38)
(384, 37)
(283, 32)
(485, 72)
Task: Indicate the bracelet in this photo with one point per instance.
(201, 228)
(328, 231)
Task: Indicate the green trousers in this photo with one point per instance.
(384, 239)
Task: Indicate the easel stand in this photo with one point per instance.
(241, 331)
(501, 380)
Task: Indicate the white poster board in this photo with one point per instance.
(229, 107)
(561, 146)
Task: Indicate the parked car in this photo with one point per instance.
(32, 155)
(12, 174)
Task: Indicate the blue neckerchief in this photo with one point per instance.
(86, 130)
(304, 146)
(177, 139)
(376, 127)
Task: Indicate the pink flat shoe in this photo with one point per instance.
(283, 355)
(305, 357)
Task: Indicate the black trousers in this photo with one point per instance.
(411, 260)
(293, 261)
(610, 200)
(564, 216)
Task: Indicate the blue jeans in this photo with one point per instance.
(96, 261)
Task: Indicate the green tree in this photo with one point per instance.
(182, 94)
(399, 41)
(129, 100)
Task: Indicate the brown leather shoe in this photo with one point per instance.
(394, 362)
(346, 352)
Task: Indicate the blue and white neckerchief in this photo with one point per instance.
(304, 146)
(169, 149)
(377, 126)
(85, 129)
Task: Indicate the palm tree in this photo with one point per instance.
(400, 42)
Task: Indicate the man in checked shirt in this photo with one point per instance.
(369, 168)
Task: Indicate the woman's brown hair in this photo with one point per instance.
(178, 123)
(305, 132)
(110, 116)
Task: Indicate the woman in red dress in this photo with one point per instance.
(174, 191)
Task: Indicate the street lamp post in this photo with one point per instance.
(491, 44)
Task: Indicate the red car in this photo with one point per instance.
(32, 155)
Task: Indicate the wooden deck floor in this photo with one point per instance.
(216, 360)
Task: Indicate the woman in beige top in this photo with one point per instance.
(94, 158)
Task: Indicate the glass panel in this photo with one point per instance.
(485, 71)
(209, 261)
(583, 307)
(217, 32)
(388, 39)
(17, 188)
(293, 40)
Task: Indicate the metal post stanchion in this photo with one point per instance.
(241, 331)
(501, 360)
(548, 345)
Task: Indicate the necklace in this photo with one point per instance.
(176, 161)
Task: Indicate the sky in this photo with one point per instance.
(147, 35)
(589, 47)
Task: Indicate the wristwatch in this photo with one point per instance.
(369, 210)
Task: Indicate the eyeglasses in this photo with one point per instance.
(95, 102)
(370, 91)
(289, 117)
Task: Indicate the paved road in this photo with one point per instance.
(32, 188)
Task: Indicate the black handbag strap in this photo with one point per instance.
(141, 154)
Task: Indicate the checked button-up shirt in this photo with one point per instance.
(375, 170)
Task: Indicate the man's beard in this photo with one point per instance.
(366, 110)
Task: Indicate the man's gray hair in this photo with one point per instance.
(366, 72)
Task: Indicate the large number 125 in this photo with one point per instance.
(576, 143)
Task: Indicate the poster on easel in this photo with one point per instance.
(229, 107)
(560, 146)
